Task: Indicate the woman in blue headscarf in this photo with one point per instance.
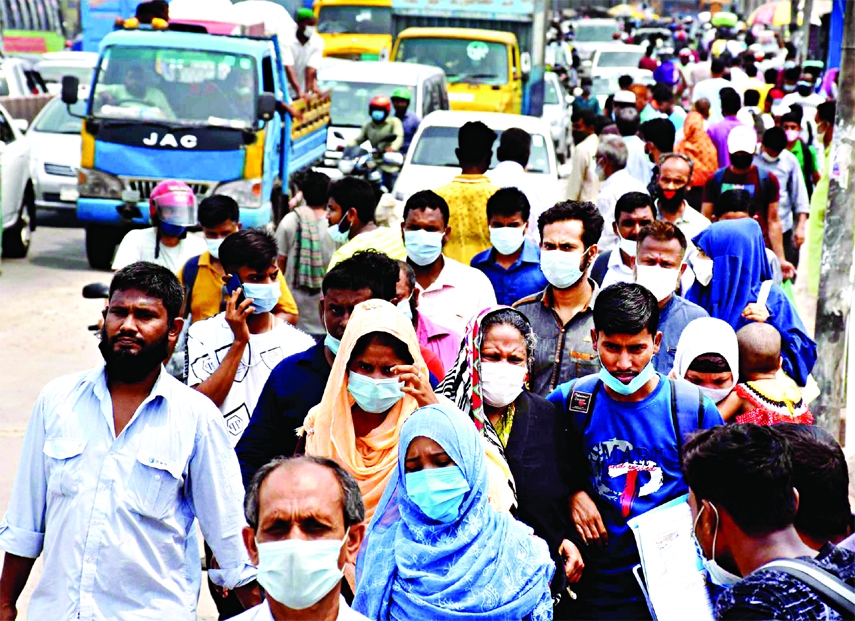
(435, 548)
(730, 271)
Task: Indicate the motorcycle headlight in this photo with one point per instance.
(246, 192)
(96, 184)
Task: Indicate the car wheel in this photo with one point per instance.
(101, 242)
(16, 239)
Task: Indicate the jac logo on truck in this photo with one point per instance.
(188, 141)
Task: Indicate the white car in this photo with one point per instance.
(617, 57)
(589, 34)
(431, 162)
(53, 66)
(17, 204)
(605, 82)
(557, 112)
(19, 79)
(54, 139)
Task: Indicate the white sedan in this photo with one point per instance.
(18, 208)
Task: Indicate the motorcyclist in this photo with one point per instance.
(384, 132)
(401, 101)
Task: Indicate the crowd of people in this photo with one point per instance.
(457, 419)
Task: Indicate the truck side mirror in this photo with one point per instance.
(70, 85)
(525, 64)
(266, 106)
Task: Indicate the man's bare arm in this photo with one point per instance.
(16, 570)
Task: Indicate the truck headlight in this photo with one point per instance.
(96, 184)
(246, 192)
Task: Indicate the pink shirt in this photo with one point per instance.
(441, 341)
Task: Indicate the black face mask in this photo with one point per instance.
(804, 91)
(741, 161)
(129, 367)
(578, 137)
(670, 200)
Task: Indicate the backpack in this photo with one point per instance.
(600, 267)
(833, 592)
(760, 202)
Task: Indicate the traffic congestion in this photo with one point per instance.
(426, 310)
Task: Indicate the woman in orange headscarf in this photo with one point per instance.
(696, 144)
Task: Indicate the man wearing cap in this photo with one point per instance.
(742, 174)
(401, 101)
(307, 50)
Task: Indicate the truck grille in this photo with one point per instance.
(59, 170)
(201, 189)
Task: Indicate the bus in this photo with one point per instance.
(32, 26)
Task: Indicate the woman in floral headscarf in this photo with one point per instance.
(697, 145)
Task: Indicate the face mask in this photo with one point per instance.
(634, 385)
(768, 157)
(660, 281)
(423, 247)
(405, 308)
(601, 173)
(374, 396)
(670, 200)
(804, 88)
(299, 573)
(716, 395)
(703, 268)
(789, 64)
(578, 136)
(718, 575)
(792, 135)
(629, 246)
(789, 88)
(337, 235)
(214, 246)
(264, 297)
(308, 31)
(378, 115)
(561, 269)
(501, 383)
(438, 492)
(332, 343)
(171, 230)
(741, 161)
(507, 239)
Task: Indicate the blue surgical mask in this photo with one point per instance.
(561, 269)
(374, 396)
(264, 297)
(405, 308)
(438, 492)
(378, 115)
(627, 389)
(507, 239)
(332, 343)
(337, 235)
(171, 230)
(423, 247)
(214, 246)
(718, 574)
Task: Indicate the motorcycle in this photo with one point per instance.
(380, 170)
(96, 291)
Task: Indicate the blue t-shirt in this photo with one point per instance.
(520, 280)
(633, 466)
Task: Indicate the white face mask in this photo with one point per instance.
(561, 269)
(214, 246)
(660, 281)
(716, 395)
(703, 268)
(718, 575)
(501, 382)
(308, 31)
(629, 246)
(405, 308)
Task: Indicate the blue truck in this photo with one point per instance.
(202, 108)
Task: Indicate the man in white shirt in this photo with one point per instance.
(230, 355)
(304, 503)
(450, 293)
(709, 89)
(637, 163)
(583, 183)
(513, 155)
(615, 181)
(306, 51)
(117, 464)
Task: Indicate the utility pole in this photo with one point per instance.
(807, 14)
(835, 286)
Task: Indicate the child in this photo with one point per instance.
(763, 398)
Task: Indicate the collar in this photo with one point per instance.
(98, 378)
(515, 166)
(318, 360)
(547, 300)
(431, 330)
(616, 260)
(461, 178)
(445, 277)
(681, 218)
(205, 259)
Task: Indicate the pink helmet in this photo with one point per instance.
(173, 202)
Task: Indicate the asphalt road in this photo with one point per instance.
(44, 335)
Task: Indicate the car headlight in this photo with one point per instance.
(96, 184)
(246, 192)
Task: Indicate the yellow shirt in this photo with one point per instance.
(382, 239)
(467, 198)
(208, 296)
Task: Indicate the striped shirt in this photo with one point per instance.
(382, 239)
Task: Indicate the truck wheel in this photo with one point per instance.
(16, 239)
(101, 242)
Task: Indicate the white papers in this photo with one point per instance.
(673, 569)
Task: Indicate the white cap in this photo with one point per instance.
(685, 52)
(624, 97)
(780, 109)
(742, 138)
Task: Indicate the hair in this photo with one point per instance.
(775, 139)
(146, 11)
(351, 498)
(216, 209)
(752, 97)
(585, 212)
(627, 121)
(660, 230)
(631, 201)
(730, 101)
(821, 476)
(759, 348)
(512, 317)
(474, 142)
(702, 107)
(827, 110)
(367, 269)
(661, 133)
(613, 149)
(382, 338)
(663, 93)
(797, 110)
(751, 71)
(792, 74)
(315, 187)
(354, 193)
(735, 201)
(624, 82)
(514, 146)
(717, 66)
(409, 274)
(604, 121)
(587, 117)
(507, 202)
(770, 76)
(791, 117)
(710, 363)
(153, 280)
(427, 199)
(626, 308)
(746, 470)
(253, 248)
(587, 81)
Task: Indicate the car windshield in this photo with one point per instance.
(56, 119)
(619, 58)
(4, 84)
(463, 60)
(350, 100)
(551, 95)
(55, 73)
(185, 87)
(604, 85)
(592, 33)
(436, 146)
(355, 20)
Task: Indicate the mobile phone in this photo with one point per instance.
(233, 285)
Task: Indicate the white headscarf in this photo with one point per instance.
(707, 335)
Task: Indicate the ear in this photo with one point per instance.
(249, 542)
(446, 236)
(321, 309)
(683, 267)
(175, 330)
(594, 339)
(615, 229)
(796, 499)
(354, 541)
(657, 342)
(240, 226)
(353, 216)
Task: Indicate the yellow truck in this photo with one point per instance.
(355, 29)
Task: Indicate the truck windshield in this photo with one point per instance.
(355, 20)
(350, 100)
(593, 33)
(463, 60)
(187, 87)
(436, 146)
(619, 59)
